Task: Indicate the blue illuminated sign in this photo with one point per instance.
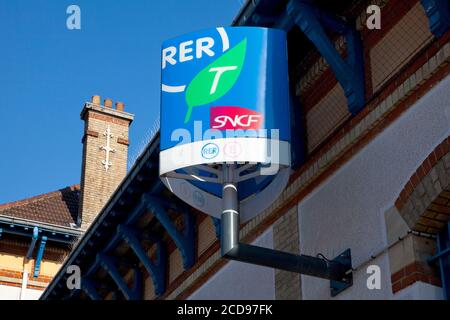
(225, 99)
(224, 78)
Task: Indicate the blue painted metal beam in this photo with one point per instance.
(217, 224)
(157, 269)
(349, 71)
(40, 255)
(185, 241)
(34, 238)
(260, 20)
(112, 243)
(93, 268)
(298, 133)
(138, 283)
(73, 294)
(89, 288)
(443, 244)
(438, 13)
(108, 264)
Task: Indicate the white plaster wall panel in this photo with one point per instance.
(241, 281)
(13, 293)
(348, 209)
(420, 291)
(9, 293)
(32, 294)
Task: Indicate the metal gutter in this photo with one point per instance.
(41, 225)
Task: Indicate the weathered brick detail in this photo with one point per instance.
(123, 141)
(206, 235)
(409, 34)
(424, 202)
(416, 271)
(92, 133)
(408, 254)
(175, 265)
(109, 118)
(286, 238)
(98, 184)
(149, 289)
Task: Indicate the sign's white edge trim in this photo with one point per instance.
(254, 150)
(172, 89)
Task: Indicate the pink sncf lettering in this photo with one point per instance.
(234, 118)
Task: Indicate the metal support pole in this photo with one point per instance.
(338, 270)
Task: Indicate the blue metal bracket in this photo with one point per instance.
(108, 263)
(336, 287)
(298, 148)
(89, 288)
(438, 13)
(40, 255)
(34, 238)
(157, 269)
(349, 71)
(185, 240)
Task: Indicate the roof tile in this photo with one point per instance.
(58, 207)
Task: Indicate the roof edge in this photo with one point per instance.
(32, 199)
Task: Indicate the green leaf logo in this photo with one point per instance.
(216, 79)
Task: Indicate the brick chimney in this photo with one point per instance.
(105, 152)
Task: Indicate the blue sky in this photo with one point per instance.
(47, 72)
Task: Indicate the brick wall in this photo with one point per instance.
(408, 253)
(13, 262)
(416, 271)
(401, 42)
(206, 235)
(330, 112)
(404, 34)
(424, 202)
(175, 265)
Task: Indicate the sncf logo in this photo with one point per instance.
(234, 118)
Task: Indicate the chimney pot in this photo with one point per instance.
(108, 103)
(95, 99)
(119, 106)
